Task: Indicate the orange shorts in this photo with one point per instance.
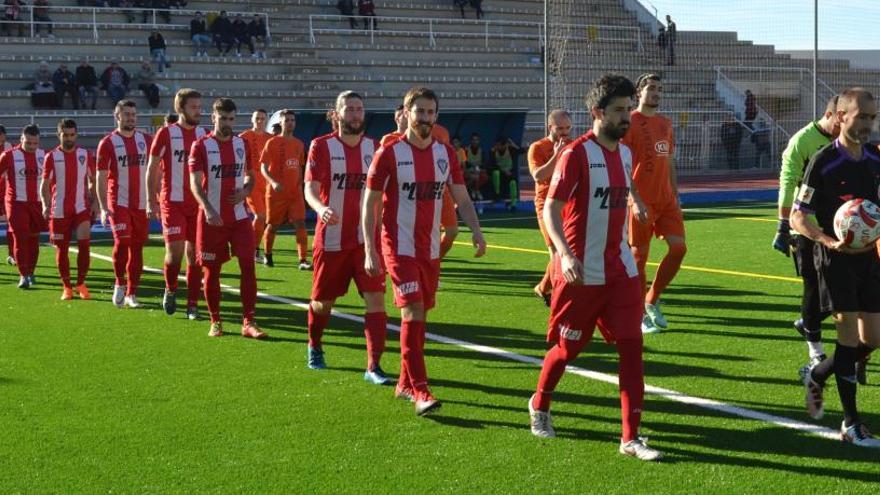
(448, 218)
(257, 203)
(285, 210)
(664, 220)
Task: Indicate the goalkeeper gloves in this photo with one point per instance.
(782, 240)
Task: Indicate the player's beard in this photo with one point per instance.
(68, 145)
(224, 131)
(127, 128)
(424, 130)
(859, 137)
(352, 128)
(191, 121)
(615, 132)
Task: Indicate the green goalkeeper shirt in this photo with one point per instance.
(801, 147)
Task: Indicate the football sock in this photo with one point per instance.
(640, 253)
(212, 291)
(863, 351)
(666, 271)
(551, 372)
(317, 324)
(22, 254)
(302, 242)
(845, 375)
(412, 351)
(10, 242)
(171, 271)
(269, 240)
(83, 260)
(193, 284)
(247, 287)
(514, 193)
(62, 260)
(375, 331)
(632, 386)
(403, 381)
(822, 371)
(120, 259)
(35, 253)
(135, 267)
(496, 182)
(259, 228)
(816, 348)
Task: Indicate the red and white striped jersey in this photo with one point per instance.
(413, 181)
(341, 170)
(595, 182)
(125, 159)
(68, 173)
(172, 144)
(22, 171)
(224, 165)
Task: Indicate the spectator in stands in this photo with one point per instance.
(346, 8)
(761, 140)
(461, 5)
(177, 4)
(12, 15)
(161, 7)
(115, 81)
(86, 83)
(41, 16)
(242, 36)
(44, 92)
(475, 172)
(157, 50)
(478, 6)
(259, 35)
(367, 11)
(671, 38)
(64, 82)
(221, 29)
(731, 137)
(504, 154)
(661, 39)
(198, 33)
(751, 105)
(125, 4)
(146, 81)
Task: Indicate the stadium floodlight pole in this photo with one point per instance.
(546, 58)
(815, 58)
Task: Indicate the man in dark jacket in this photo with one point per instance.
(731, 137)
(367, 10)
(259, 35)
(346, 7)
(65, 82)
(198, 33)
(115, 80)
(87, 82)
(222, 32)
(242, 36)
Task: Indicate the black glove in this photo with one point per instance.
(782, 240)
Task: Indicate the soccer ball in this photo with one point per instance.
(857, 223)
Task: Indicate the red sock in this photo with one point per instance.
(666, 271)
(259, 228)
(375, 330)
(10, 242)
(35, 253)
(83, 260)
(554, 366)
(317, 324)
(247, 286)
(62, 260)
(120, 259)
(21, 244)
(212, 292)
(632, 386)
(640, 253)
(412, 335)
(302, 242)
(135, 267)
(403, 381)
(171, 272)
(193, 284)
(269, 240)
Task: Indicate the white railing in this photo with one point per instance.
(93, 24)
(432, 29)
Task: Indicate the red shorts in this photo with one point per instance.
(664, 219)
(576, 309)
(213, 243)
(285, 210)
(126, 222)
(25, 218)
(448, 218)
(334, 271)
(61, 229)
(413, 280)
(179, 223)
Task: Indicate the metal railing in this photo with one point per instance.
(93, 24)
(487, 29)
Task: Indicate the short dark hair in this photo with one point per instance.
(261, 110)
(608, 87)
(399, 108)
(287, 112)
(644, 79)
(2, 130)
(124, 103)
(850, 95)
(30, 130)
(224, 105)
(66, 124)
(171, 118)
(419, 92)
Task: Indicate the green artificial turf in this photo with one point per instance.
(97, 399)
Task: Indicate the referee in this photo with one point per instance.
(849, 279)
(801, 147)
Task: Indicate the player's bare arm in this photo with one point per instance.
(638, 206)
(469, 215)
(240, 195)
(805, 224)
(545, 171)
(195, 185)
(313, 198)
(274, 184)
(45, 197)
(371, 212)
(152, 186)
(102, 196)
(572, 268)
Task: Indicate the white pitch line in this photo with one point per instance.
(714, 405)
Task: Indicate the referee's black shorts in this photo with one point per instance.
(848, 282)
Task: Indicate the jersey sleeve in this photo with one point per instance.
(456, 176)
(534, 156)
(266, 153)
(381, 169)
(810, 194)
(161, 142)
(106, 154)
(48, 166)
(567, 175)
(198, 158)
(315, 165)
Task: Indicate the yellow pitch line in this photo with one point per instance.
(753, 219)
(683, 267)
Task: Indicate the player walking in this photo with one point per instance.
(256, 138)
(67, 191)
(405, 191)
(597, 281)
(5, 145)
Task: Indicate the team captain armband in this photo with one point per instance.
(805, 197)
